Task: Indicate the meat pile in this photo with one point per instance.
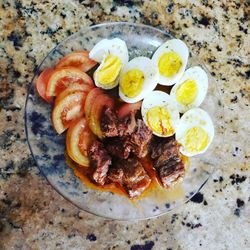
(127, 139)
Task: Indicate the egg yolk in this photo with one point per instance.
(159, 120)
(110, 70)
(169, 64)
(196, 139)
(132, 82)
(186, 92)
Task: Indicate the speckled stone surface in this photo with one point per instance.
(34, 216)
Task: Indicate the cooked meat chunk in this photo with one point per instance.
(167, 160)
(170, 174)
(111, 126)
(130, 174)
(100, 160)
(164, 149)
(127, 125)
(109, 123)
(139, 139)
(117, 148)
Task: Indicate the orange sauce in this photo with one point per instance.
(155, 189)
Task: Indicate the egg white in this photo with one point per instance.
(178, 47)
(162, 99)
(150, 77)
(200, 77)
(102, 49)
(194, 117)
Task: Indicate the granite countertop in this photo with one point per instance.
(34, 216)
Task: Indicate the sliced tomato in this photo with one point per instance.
(61, 78)
(127, 108)
(42, 82)
(91, 99)
(68, 109)
(94, 120)
(74, 87)
(78, 140)
(78, 59)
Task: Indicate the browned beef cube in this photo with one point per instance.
(109, 123)
(100, 160)
(127, 125)
(139, 139)
(171, 173)
(116, 147)
(130, 174)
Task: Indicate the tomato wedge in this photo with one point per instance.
(94, 121)
(42, 82)
(74, 87)
(61, 78)
(78, 59)
(127, 108)
(91, 99)
(78, 141)
(67, 110)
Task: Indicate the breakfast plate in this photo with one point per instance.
(48, 148)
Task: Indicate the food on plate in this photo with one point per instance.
(61, 78)
(138, 78)
(112, 54)
(130, 137)
(171, 60)
(195, 132)
(77, 59)
(160, 113)
(191, 89)
(78, 140)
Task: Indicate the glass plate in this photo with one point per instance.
(48, 148)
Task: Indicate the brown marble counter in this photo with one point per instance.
(34, 216)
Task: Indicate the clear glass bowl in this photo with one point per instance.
(48, 148)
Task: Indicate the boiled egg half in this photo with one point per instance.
(160, 113)
(191, 89)
(195, 132)
(171, 60)
(112, 54)
(138, 78)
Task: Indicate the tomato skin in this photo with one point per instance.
(78, 59)
(91, 99)
(61, 78)
(78, 140)
(94, 120)
(42, 82)
(127, 108)
(67, 110)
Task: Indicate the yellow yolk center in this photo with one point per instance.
(196, 139)
(187, 92)
(132, 82)
(169, 64)
(110, 70)
(159, 120)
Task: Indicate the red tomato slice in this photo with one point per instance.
(74, 87)
(41, 84)
(94, 120)
(78, 59)
(61, 78)
(127, 108)
(68, 109)
(91, 99)
(78, 141)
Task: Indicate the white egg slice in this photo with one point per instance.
(195, 132)
(160, 113)
(171, 60)
(112, 54)
(191, 89)
(138, 78)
